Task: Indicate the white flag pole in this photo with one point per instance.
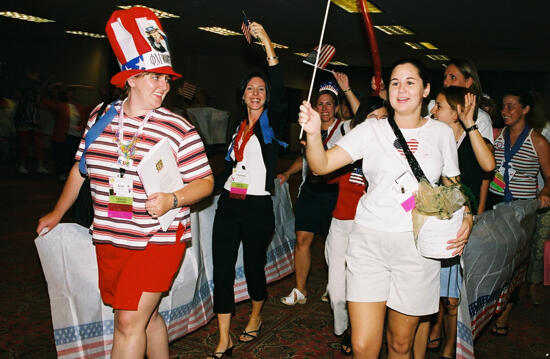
(316, 60)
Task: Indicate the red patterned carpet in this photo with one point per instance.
(288, 332)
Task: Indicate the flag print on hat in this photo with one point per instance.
(139, 44)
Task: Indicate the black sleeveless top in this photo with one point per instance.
(471, 173)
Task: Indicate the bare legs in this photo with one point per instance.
(367, 322)
(367, 326)
(302, 259)
(224, 340)
(140, 331)
(449, 321)
(224, 325)
(421, 338)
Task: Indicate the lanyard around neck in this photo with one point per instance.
(120, 119)
(508, 154)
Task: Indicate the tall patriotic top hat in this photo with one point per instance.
(139, 44)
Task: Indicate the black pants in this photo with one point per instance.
(251, 221)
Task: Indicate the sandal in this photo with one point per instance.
(345, 344)
(435, 347)
(295, 297)
(251, 335)
(219, 355)
(499, 331)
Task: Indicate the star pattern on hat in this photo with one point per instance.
(136, 63)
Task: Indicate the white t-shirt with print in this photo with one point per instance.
(433, 146)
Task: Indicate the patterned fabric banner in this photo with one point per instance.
(494, 264)
(83, 325)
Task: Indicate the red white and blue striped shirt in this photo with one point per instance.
(101, 162)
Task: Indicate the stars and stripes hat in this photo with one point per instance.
(139, 44)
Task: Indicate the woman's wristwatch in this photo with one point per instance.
(472, 128)
(175, 203)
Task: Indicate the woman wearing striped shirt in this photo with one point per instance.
(137, 261)
(520, 154)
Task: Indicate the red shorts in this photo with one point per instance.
(124, 274)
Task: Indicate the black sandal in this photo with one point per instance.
(345, 344)
(228, 352)
(250, 335)
(433, 341)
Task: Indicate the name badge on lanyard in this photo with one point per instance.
(121, 197)
(239, 182)
(403, 191)
(498, 183)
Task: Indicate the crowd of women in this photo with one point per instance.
(357, 176)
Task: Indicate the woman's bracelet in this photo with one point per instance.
(349, 89)
(269, 58)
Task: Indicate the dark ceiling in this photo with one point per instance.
(496, 35)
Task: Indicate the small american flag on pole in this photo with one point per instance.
(245, 27)
(327, 53)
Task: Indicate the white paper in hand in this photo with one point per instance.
(434, 234)
(159, 172)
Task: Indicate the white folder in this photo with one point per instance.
(159, 172)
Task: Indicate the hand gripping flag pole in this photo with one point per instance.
(316, 61)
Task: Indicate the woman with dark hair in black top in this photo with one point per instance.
(245, 209)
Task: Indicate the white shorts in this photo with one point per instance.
(386, 267)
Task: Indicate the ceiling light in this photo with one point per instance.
(394, 29)
(351, 6)
(414, 45)
(438, 57)
(159, 13)
(84, 33)
(16, 15)
(338, 63)
(428, 45)
(275, 45)
(220, 31)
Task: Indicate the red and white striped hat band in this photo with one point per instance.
(139, 43)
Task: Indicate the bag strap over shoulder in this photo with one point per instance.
(94, 132)
(413, 163)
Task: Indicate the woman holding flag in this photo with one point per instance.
(245, 209)
(385, 272)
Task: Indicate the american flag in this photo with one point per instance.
(327, 53)
(357, 177)
(245, 27)
(187, 90)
